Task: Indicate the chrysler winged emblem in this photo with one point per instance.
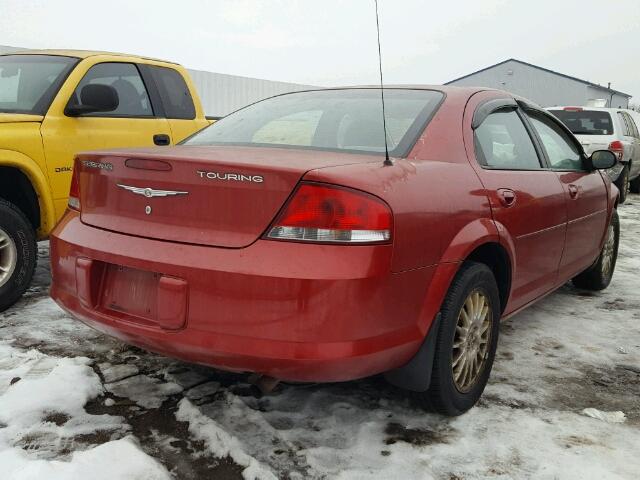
(151, 192)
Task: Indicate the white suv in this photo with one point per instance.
(608, 128)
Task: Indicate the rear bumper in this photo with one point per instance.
(293, 311)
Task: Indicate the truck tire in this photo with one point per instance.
(634, 185)
(18, 254)
(598, 276)
(623, 184)
(466, 343)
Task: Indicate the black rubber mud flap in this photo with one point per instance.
(416, 374)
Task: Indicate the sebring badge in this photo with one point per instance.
(151, 192)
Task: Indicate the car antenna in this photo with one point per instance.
(387, 160)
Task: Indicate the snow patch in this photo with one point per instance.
(42, 415)
(148, 392)
(120, 459)
(202, 390)
(219, 442)
(113, 373)
(65, 385)
(609, 417)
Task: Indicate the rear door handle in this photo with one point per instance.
(573, 191)
(507, 197)
(162, 139)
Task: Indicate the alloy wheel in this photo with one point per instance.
(8, 257)
(471, 341)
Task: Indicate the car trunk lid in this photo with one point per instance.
(591, 143)
(217, 196)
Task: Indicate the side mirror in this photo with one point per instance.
(603, 159)
(94, 98)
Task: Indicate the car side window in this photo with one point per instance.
(124, 77)
(626, 130)
(174, 93)
(561, 151)
(502, 142)
(632, 125)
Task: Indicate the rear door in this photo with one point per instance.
(585, 193)
(526, 200)
(134, 123)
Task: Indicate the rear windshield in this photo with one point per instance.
(28, 83)
(586, 122)
(347, 120)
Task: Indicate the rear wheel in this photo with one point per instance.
(598, 276)
(634, 185)
(623, 183)
(18, 254)
(466, 342)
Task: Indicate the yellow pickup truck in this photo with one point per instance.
(54, 104)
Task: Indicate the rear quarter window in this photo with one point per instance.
(174, 93)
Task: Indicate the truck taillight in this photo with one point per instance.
(74, 191)
(325, 213)
(618, 148)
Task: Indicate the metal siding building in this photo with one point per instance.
(543, 86)
(222, 94)
(6, 49)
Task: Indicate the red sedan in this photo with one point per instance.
(280, 241)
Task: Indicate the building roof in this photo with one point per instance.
(77, 53)
(591, 84)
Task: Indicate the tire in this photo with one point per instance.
(634, 185)
(447, 394)
(18, 254)
(623, 184)
(598, 276)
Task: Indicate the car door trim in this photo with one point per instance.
(486, 108)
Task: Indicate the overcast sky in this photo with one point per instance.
(333, 42)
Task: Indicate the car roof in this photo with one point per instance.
(446, 89)
(81, 54)
(599, 109)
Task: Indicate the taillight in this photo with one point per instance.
(618, 148)
(323, 213)
(74, 191)
(573, 109)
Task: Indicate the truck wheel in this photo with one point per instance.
(623, 184)
(634, 185)
(466, 343)
(598, 276)
(18, 254)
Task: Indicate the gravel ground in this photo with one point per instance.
(563, 402)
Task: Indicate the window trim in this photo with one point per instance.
(147, 74)
(152, 89)
(109, 114)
